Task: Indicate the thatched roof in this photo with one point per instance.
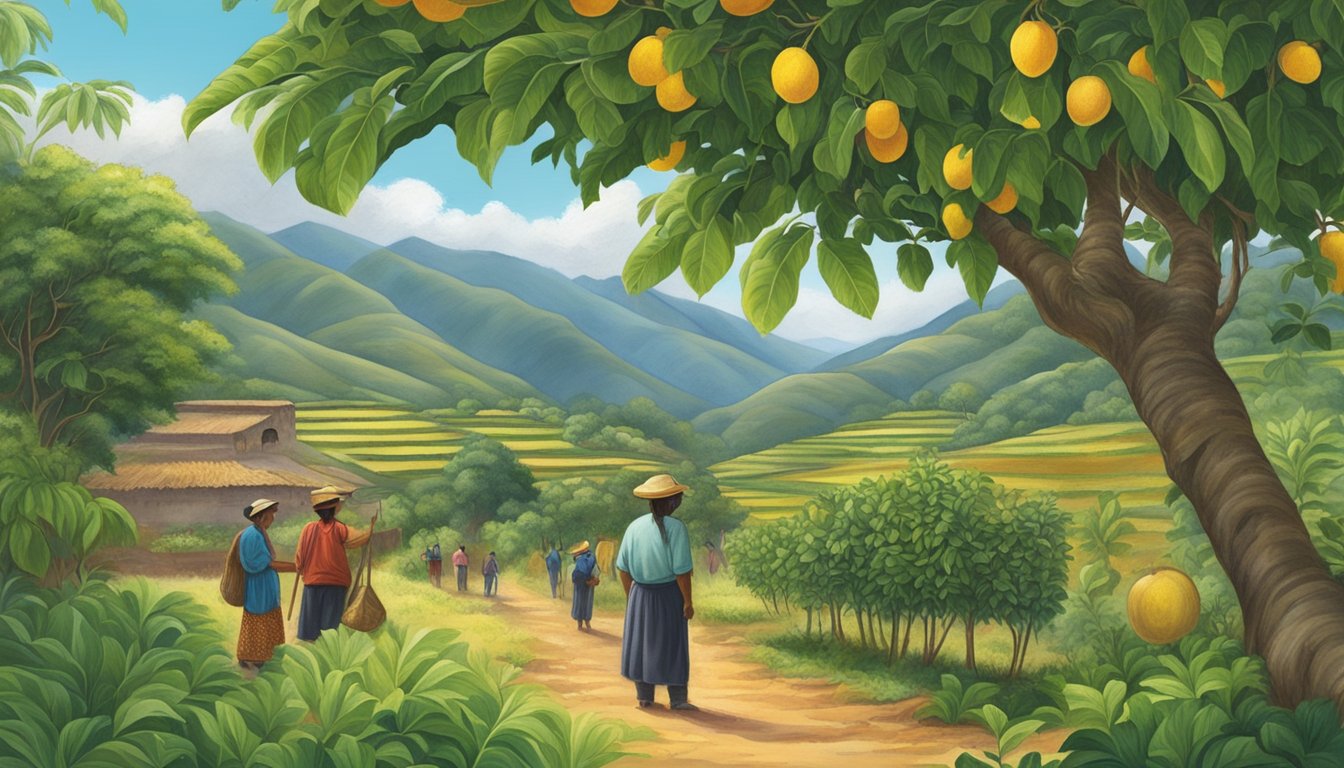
(209, 424)
(178, 475)
(236, 404)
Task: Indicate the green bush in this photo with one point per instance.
(953, 703)
(97, 676)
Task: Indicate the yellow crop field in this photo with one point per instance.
(373, 425)
(397, 467)
(404, 450)
(348, 438)
(361, 414)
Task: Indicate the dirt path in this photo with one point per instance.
(749, 716)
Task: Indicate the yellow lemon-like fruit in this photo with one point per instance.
(592, 8)
(672, 94)
(1006, 201)
(669, 161)
(440, 10)
(882, 118)
(1300, 62)
(957, 167)
(1033, 48)
(794, 75)
(1332, 248)
(1031, 123)
(1139, 66)
(1163, 606)
(887, 150)
(391, 3)
(1218, 87)
(745, 7)
(1088, 100)
(645, 63)
(955, 221)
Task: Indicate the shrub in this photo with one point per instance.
(953, 703)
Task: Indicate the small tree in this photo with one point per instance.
(482, 477)
(1102, 532)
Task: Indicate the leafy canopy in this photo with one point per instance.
(346, 83)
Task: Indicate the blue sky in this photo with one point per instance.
(173, 48)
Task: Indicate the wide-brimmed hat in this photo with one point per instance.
(327, 494)
(660, 487)
(251, 511)
(580, 547)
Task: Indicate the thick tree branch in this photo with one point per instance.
(1044, 273)
(1240, 264)
(1193, 266)
(1100, 256)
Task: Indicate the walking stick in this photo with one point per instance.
(295, 593)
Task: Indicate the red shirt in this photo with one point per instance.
(321, 554)
(459, 558)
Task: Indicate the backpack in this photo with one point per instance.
(233, 584)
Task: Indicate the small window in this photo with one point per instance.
(270, 437)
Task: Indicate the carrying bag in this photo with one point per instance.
(364, 611)
(593, 581)
(233, 584)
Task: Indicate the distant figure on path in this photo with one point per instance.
(491, 573)
(321, 562)
(436, 565)
(655, 569)
(585, 580)
(460, 562)
(263, 625)
(553, 563)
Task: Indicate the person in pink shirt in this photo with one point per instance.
(460, 561)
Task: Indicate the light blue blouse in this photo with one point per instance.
(650, 560)
(263, 583)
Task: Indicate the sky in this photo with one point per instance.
(171, 50)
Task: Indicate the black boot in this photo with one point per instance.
(678, 695)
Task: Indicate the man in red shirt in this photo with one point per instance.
(460, 560)
(323, 565)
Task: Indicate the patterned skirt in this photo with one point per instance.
(259, 635)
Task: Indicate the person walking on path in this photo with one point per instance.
(263, 626)
(323, 565)
(553, 563)
(460, 562)
(436, 565)
(654, 565)
(585, 581)
(491, 573)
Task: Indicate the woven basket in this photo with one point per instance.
(233, 584)
(364, 612)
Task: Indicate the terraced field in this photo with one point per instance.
(403, 444)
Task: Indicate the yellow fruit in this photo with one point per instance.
(1033, 48)
(672, 94)
(669, 161)
(1006, 201)
(794, 75)
(1300, 62)
(391, 3)
(440, 10)
(1031, 123)
(1332, 248)
(955, 221)
(745, 7)
(887, 150)
(646, 61)
(1139, 66)
(662, 32)
(1088, 100)
(957, 167)
(1217, 86)
(592, 8)
(882, 119)
(1163, 606)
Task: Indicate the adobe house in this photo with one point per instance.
(217, 457)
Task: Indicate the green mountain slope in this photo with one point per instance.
(325, 245)
(503, 331)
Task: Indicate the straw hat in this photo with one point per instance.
(253, 510)
(660, 487)
(327, 494)
(580, 547)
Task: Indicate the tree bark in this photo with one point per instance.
(1159, 338)
(970, 641)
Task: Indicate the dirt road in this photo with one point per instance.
(749, 716)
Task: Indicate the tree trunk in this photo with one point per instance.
(1159, 338)
(970, 641)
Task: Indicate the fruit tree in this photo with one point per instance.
(1027, 133)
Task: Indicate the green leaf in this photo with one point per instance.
(866, 62)
(978, 264)
(990, 168)
(347, 157)
(798, 123)
(684, 48)
(29, 548)
(1167, 18)
(772, 278)
(1234, 128)
(266, 61)
(618, 35)
(303, 102)
(653, 259)
(848, 272)
(1199, 141)
(597, 117)
(914, 263)
(1139, 103)
(708, 256)
(1203, 42)
(1317, 335)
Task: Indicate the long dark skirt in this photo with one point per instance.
(656, 648)
(322, 609)
(581, 607)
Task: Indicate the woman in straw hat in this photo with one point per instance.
(654, 564)
(321, 562)
(263, 625)
(584, 577)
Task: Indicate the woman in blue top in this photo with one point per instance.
(263, 625)
(654, 564)
(584, 577)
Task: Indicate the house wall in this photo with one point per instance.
(161, 509)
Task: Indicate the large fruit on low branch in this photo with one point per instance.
(794, 75)
(1033, 48)
(1139, 66)
(1163, 606)
(440, 10)
(1300, 62)
(672, 94)
(882, 118)
(745, 7)
(1006, 201)
(1088, 100)
(669, 161)
(887, 150)
(1332, 248)
(954, 219)
(957, 167)
(645, 63)
(592, 8)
